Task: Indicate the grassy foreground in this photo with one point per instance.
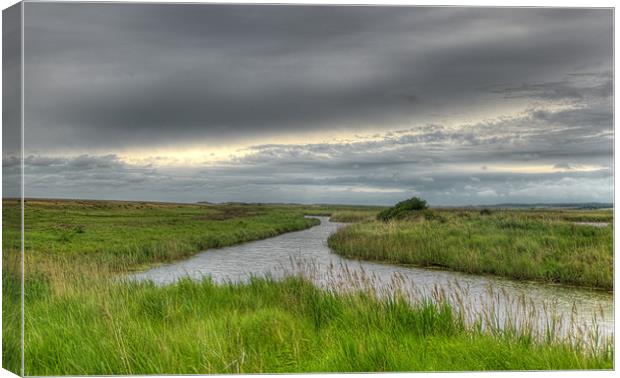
(532, 245)
(81, 319)
(73, 241)
(266, 326)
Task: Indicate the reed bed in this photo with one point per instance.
(510, 244)
(103, 326)
(492, 309)
(353, 216)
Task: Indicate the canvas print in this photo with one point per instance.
(253, 188)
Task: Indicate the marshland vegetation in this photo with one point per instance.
(82, 318)
(545, 245)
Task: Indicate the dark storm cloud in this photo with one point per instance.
(112, 75)
(458, 105)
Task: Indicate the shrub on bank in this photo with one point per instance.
(402, 208)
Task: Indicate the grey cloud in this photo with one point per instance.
(384, 169)
(505, 140)
(43, 161)
(109, 75)
(94, 162)
(402, 82)
(98, 173)
(423, 160)
(314, 185)
(575, 86)
(10, 161)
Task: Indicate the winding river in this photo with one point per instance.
(493, 298)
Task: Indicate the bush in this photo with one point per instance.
(402, 208)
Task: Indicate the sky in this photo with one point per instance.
(317, 104)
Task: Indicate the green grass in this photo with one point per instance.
(81, 319)
(538, 245)
(344, 213)
(266, 326)
(11, 289)
(121, 235)
(11, 311)
(353, 216)
(112, 237)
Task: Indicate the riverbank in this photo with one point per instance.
(522, 245)
(81, 319)
(265, 326)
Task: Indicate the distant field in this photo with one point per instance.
(541, 245)
(81, 319)
(345, 214)
(123, 235)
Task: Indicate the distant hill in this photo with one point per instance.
(584, 205)
(579, 205)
